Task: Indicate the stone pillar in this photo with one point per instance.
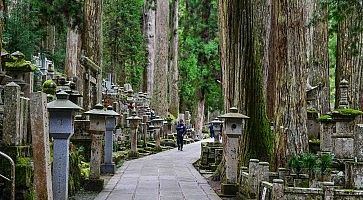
(358, 142)
(157, 138)
(326, 131)
(60, 168)
(109, 166)
(40, 146)
(264, 169)
(96, 150)
(328, 190)
(283, 172)
(11, 123)
(144, 128)
(253, 176)
(133, 138)
(231, 157)
(278, 189)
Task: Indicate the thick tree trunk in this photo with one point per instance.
(317, 52)
(291, 75)
(349, 59)
(159, 99)
(2, 11)
(173, 62)
(92, 41)
(199, 121)
(233, 78)
(149, 34)
(73, 52)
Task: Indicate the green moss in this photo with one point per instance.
(17, 62)
(49, 87)
(349, 112)
(325, 118)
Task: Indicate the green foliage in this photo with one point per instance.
(296, 163)
(199, 66)
(325, 162)
(22, 29)
(124, 48)
(310, 162)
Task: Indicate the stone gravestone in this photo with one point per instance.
(11, 125)
(40, 146)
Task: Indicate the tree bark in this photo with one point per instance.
(2, 14)
(173, 62)
(317, 52)
(199, 121)
(349, 58)
(92, 43)
(289, 64)
(233, 78)
(159, 99)
(149, 34)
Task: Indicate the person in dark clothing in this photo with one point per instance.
(180, 132)
(211, 130)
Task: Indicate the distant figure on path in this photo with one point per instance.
(180, 132)
(211, 130)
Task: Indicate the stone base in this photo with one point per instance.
(108, 168)
(94, 185)
(229, 189)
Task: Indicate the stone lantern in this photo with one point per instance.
(157, 122)
(233, 126)
(61, 128)
(134, 121)
(108, 166)
(97, 128)
(217, 127)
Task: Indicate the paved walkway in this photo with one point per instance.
(168, 175)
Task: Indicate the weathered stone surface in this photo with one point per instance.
(354, 175)
(344, 127)
(277, 189)
(343, 147)
(60, 169)
(108, 166)
(96, 154)
(327, 130)
(231, 157)
(11, 123)
(358, 142)
(40, 146)
(253, 174)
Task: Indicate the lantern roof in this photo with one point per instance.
(133, 116)
(62, 103)
(233, 113)
(216, 121)
(97, 110)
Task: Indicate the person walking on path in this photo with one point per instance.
(180, 132)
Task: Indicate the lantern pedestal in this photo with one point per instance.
(95, 183)
(233, 127)
(108, 167)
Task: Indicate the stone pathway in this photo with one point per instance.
(168, 175)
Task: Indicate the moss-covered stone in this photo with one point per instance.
(49, 87)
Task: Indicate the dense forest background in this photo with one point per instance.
(209, 55)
